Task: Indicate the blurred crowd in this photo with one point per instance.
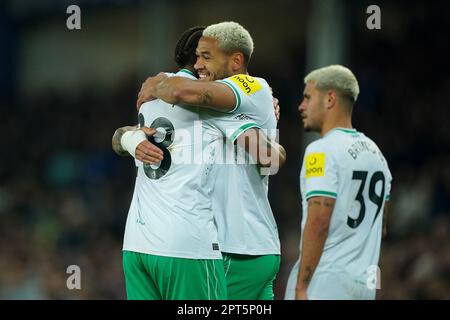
(64, 195)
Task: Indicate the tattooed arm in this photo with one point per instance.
(315, 234)
(179, 90)
(116, 145)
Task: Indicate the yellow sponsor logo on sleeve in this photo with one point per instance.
(315, 165)
(248, 84)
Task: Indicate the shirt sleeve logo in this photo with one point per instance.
(242, 116)
(248, 84)
(315, 165)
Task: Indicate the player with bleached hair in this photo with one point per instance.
(248, 233)
(345, 183)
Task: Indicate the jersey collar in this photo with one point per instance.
(345, 130)
(187, 71)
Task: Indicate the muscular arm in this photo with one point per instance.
(267, 153)
(315, 234)
(179, 90)
(116, 145)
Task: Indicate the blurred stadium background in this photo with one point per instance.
(64, 195)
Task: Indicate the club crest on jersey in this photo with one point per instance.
(315, 165)
(248, 84)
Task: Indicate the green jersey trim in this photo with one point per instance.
(316, 193)
(236, 93)
(388, 197)
(188, 72)
(346, 130)
(242, 129)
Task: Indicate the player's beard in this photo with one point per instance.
(223, 72)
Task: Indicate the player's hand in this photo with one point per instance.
(144, 94)
(301, 295)
(146, 151)
(276, 107)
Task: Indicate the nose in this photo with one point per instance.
(302, 106)
(199, 64)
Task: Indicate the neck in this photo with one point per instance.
(190, 68)
(240, 71)
(337, 122)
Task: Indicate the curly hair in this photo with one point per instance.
(185, 49)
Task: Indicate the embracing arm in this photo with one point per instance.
(116, 145)
(314, 237)
(138, 145)
(267, 153)
(179, 90)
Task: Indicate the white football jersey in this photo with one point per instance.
(349, 167)
(171, 210)
(241, 206)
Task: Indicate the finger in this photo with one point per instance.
(162, 74)
(151, 148)
(144, 157)
(151, 160)
(149, 131)
(139, 155)
(149, 153)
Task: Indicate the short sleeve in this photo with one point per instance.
(232, 125)
(249, 111)
(244, 87)
(320, 174)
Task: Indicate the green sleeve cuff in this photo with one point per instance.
(242, 129)
(236, 93)
(321, 193)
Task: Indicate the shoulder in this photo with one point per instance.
(183, 73)
(320, 152)
(246, 84)
(318, 145)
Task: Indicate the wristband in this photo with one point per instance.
(131, 139)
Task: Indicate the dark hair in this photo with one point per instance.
(185, 49)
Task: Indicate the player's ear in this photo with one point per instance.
(237, 61)
(330, 99)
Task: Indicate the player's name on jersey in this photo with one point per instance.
(359, 147)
